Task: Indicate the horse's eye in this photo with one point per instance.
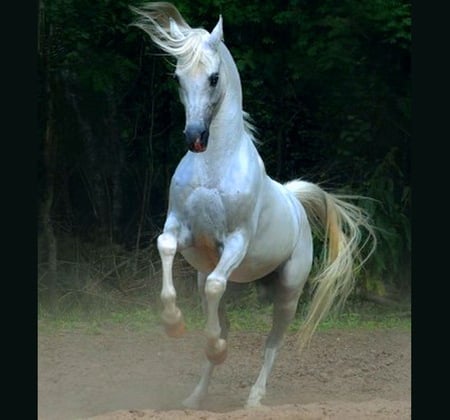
(213, 79)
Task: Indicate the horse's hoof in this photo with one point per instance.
(253, 404)
(217, 352)
(192, 402)
(175, 330)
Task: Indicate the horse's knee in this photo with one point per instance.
(167, 245)
(215, 287)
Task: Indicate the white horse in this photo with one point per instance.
(228, 218)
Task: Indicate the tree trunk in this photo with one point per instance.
(49, 154)
(49, 162)
(281, 145)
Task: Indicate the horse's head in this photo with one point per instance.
(198, 68)
(199, 79)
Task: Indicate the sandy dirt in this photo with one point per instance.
(121, 374)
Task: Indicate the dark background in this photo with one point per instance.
(328, 85)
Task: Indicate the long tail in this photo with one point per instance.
(341, 225)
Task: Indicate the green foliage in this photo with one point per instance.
(326, 83)
(391, 216)
(83, 36)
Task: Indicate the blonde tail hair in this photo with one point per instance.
(341, 225)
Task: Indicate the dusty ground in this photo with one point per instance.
(120, 374)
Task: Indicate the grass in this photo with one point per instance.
(255, 318)
(103, 287)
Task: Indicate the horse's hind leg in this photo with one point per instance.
(288, 288)
(284, 309)
(171, 316)
(201, 390)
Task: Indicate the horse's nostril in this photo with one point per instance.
(196, 137)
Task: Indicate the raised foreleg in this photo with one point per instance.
(201, 390)
(234, 250)
(171, 315)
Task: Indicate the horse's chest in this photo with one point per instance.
(204, 218)
(206, 213)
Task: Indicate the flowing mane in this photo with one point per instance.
(170, 32)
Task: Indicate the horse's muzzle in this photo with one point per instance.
(196, 138)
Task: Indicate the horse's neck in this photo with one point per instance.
(228, 141)
(227, 129)
(228, 136)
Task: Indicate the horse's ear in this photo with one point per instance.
(216, 35)
(175, 30)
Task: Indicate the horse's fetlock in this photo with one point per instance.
(168, 296)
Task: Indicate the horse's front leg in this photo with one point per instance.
(234, 250)
(171, 316)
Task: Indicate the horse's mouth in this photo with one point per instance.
(197, 146)
(199, 143)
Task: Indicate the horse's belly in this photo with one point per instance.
(251, 270)
(261, 259)
(204, 257)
